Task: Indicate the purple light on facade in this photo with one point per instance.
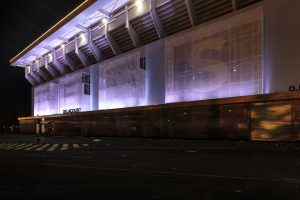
(223, 59)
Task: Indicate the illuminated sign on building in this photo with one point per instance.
(293, 88)
(73, 110)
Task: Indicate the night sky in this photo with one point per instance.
(21, 23)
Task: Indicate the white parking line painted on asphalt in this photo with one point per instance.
(7, 145)
(4, 145)
(23, 147)
(32, 147)
(39, 147)
(64, 147)
(42, 147)
(8, 148)
(11, 146)
(53, 147)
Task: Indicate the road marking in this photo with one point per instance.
(20, 146)
(39, 147)
(8, 145)
(11, 146)
(32, 147)
(23, 147)
(4, 145)
(42, 147)
(53, 147)
(64, 147)
(15, 146)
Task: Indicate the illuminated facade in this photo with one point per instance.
(151, 52)
(222, 59)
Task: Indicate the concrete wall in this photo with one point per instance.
(94, 74)
(281, 44)
(219, 59)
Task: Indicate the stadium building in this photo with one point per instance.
(212, 69)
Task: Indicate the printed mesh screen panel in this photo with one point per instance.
(220, 59)
(122, 82)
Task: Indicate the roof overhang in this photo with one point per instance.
(84, 15)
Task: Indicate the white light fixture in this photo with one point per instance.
(62, 46)
(104, 21)
(138, 3)
(50, 57)
(82, 35)
(83, 38)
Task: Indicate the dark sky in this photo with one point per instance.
(21, 23)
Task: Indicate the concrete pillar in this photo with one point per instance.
(155, 73)
(94, 78)
(281, 45)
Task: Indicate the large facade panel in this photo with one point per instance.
(46, 99)
(67, 92)
(74, 91)
(122, 82)
(222, 59)
(155, 73)
(282, 45)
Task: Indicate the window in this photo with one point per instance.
(143, 62)
(86, 78)
(86, 83)
(87, 89)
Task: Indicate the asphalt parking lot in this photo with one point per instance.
(145, 168)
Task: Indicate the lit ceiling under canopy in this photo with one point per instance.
(95, 11)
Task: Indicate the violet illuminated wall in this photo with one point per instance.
(71, 92)
(64, 93)
(219, 59)
(122, 82)
(222, 58)
(46, 99)
(281, 45)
